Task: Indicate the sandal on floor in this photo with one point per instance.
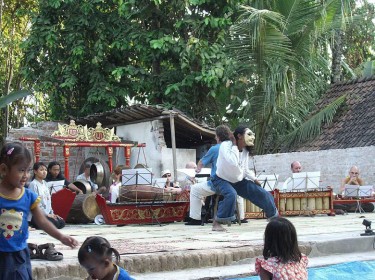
(49, 253)
(34, 251)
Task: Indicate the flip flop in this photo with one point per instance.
(48, 252)
(34, 251)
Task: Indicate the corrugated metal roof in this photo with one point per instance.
(189, 132)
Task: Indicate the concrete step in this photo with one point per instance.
(176, 248)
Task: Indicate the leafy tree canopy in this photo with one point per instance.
(260, 62)
(14, 29)
(90, 56)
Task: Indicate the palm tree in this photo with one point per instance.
(282, 61)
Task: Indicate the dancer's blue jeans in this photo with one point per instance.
(248, 190)
(227, 206)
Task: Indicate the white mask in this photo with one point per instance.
(249, 137)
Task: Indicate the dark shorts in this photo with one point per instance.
(15, 265)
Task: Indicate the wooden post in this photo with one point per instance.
(127, 156)
(110, 153)
(173, 138)
(37, 150)
(66, 161)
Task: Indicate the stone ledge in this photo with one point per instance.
(156, 262)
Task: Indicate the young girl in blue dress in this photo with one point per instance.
(16, 202)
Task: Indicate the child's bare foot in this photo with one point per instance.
(217, 227)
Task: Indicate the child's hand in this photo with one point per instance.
(69, 241)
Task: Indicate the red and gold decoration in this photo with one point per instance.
(142, 212)
(73, 136)
(75, 132)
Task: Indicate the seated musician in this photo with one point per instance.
(170, 186)
(188, 180)
(295, 167)
(54, 174)
(353, 179)
(200, 191)
(85, 176)
(114, 189)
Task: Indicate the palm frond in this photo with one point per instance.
(312, 126)
(258, 34)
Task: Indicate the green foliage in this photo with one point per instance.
(369, 68)
(91, 56)
(14, 29)
(264, 64)
(279, 49)
(313, 124)
(13, 96)
(359, 46)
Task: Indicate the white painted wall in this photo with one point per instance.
(158, 156)
(333, 164)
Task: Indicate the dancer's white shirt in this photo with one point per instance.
(233, 165)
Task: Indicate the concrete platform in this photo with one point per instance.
(176, 251)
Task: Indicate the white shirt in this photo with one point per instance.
(114, 191)
(83, 177)
(41, 189)
(233, 165)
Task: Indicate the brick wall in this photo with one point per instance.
(333, 164)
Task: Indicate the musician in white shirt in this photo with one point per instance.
(233, 177)
(295, 167)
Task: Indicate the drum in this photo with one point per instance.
(83, 185)
(84, 209)
(141, 193)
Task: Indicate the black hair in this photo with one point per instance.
(240, 130)
(87, 165)
(14, 153)
(38, 164)
(49, 176)
(99, 248)
(36, 167)
(52, 164)
(223, 133)
(280, 240)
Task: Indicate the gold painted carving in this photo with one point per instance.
(75, 132)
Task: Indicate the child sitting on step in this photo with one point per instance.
(282, 258)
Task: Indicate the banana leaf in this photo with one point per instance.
(13, 96)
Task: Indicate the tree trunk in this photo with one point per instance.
(337, 51)
(1, 17)
(8, 82)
